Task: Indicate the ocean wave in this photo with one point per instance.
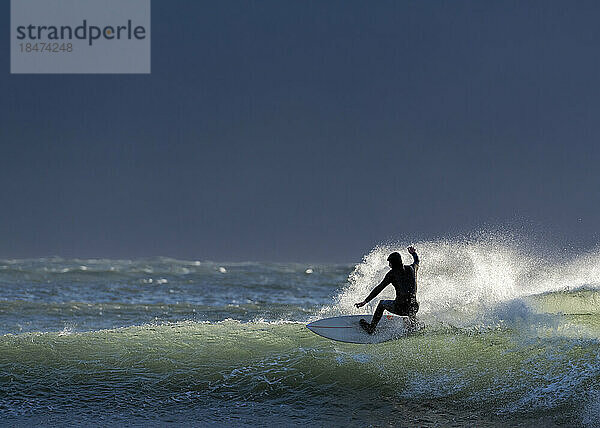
(461, 282)
(511, 335)
(156, 266)
(497, 371)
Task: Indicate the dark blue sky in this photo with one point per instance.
(310, 131)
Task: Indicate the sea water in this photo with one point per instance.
(511, 338)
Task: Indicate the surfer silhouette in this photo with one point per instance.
(404, 280)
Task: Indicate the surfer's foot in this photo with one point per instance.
(367, 326)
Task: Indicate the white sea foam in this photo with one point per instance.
(471, 281)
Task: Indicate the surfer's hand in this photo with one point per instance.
(361, 304)
(411, 249)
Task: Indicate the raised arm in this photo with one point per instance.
(386, 281)
(413, 253)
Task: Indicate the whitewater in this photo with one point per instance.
(511, 338)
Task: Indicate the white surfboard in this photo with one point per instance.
(348, 329)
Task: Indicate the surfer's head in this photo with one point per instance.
(395, 260)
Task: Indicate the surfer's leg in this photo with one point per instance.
(383, 305)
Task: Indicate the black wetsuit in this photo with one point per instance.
(404, 281)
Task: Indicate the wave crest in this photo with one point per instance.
(461, 282)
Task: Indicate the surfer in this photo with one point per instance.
(404, 280)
